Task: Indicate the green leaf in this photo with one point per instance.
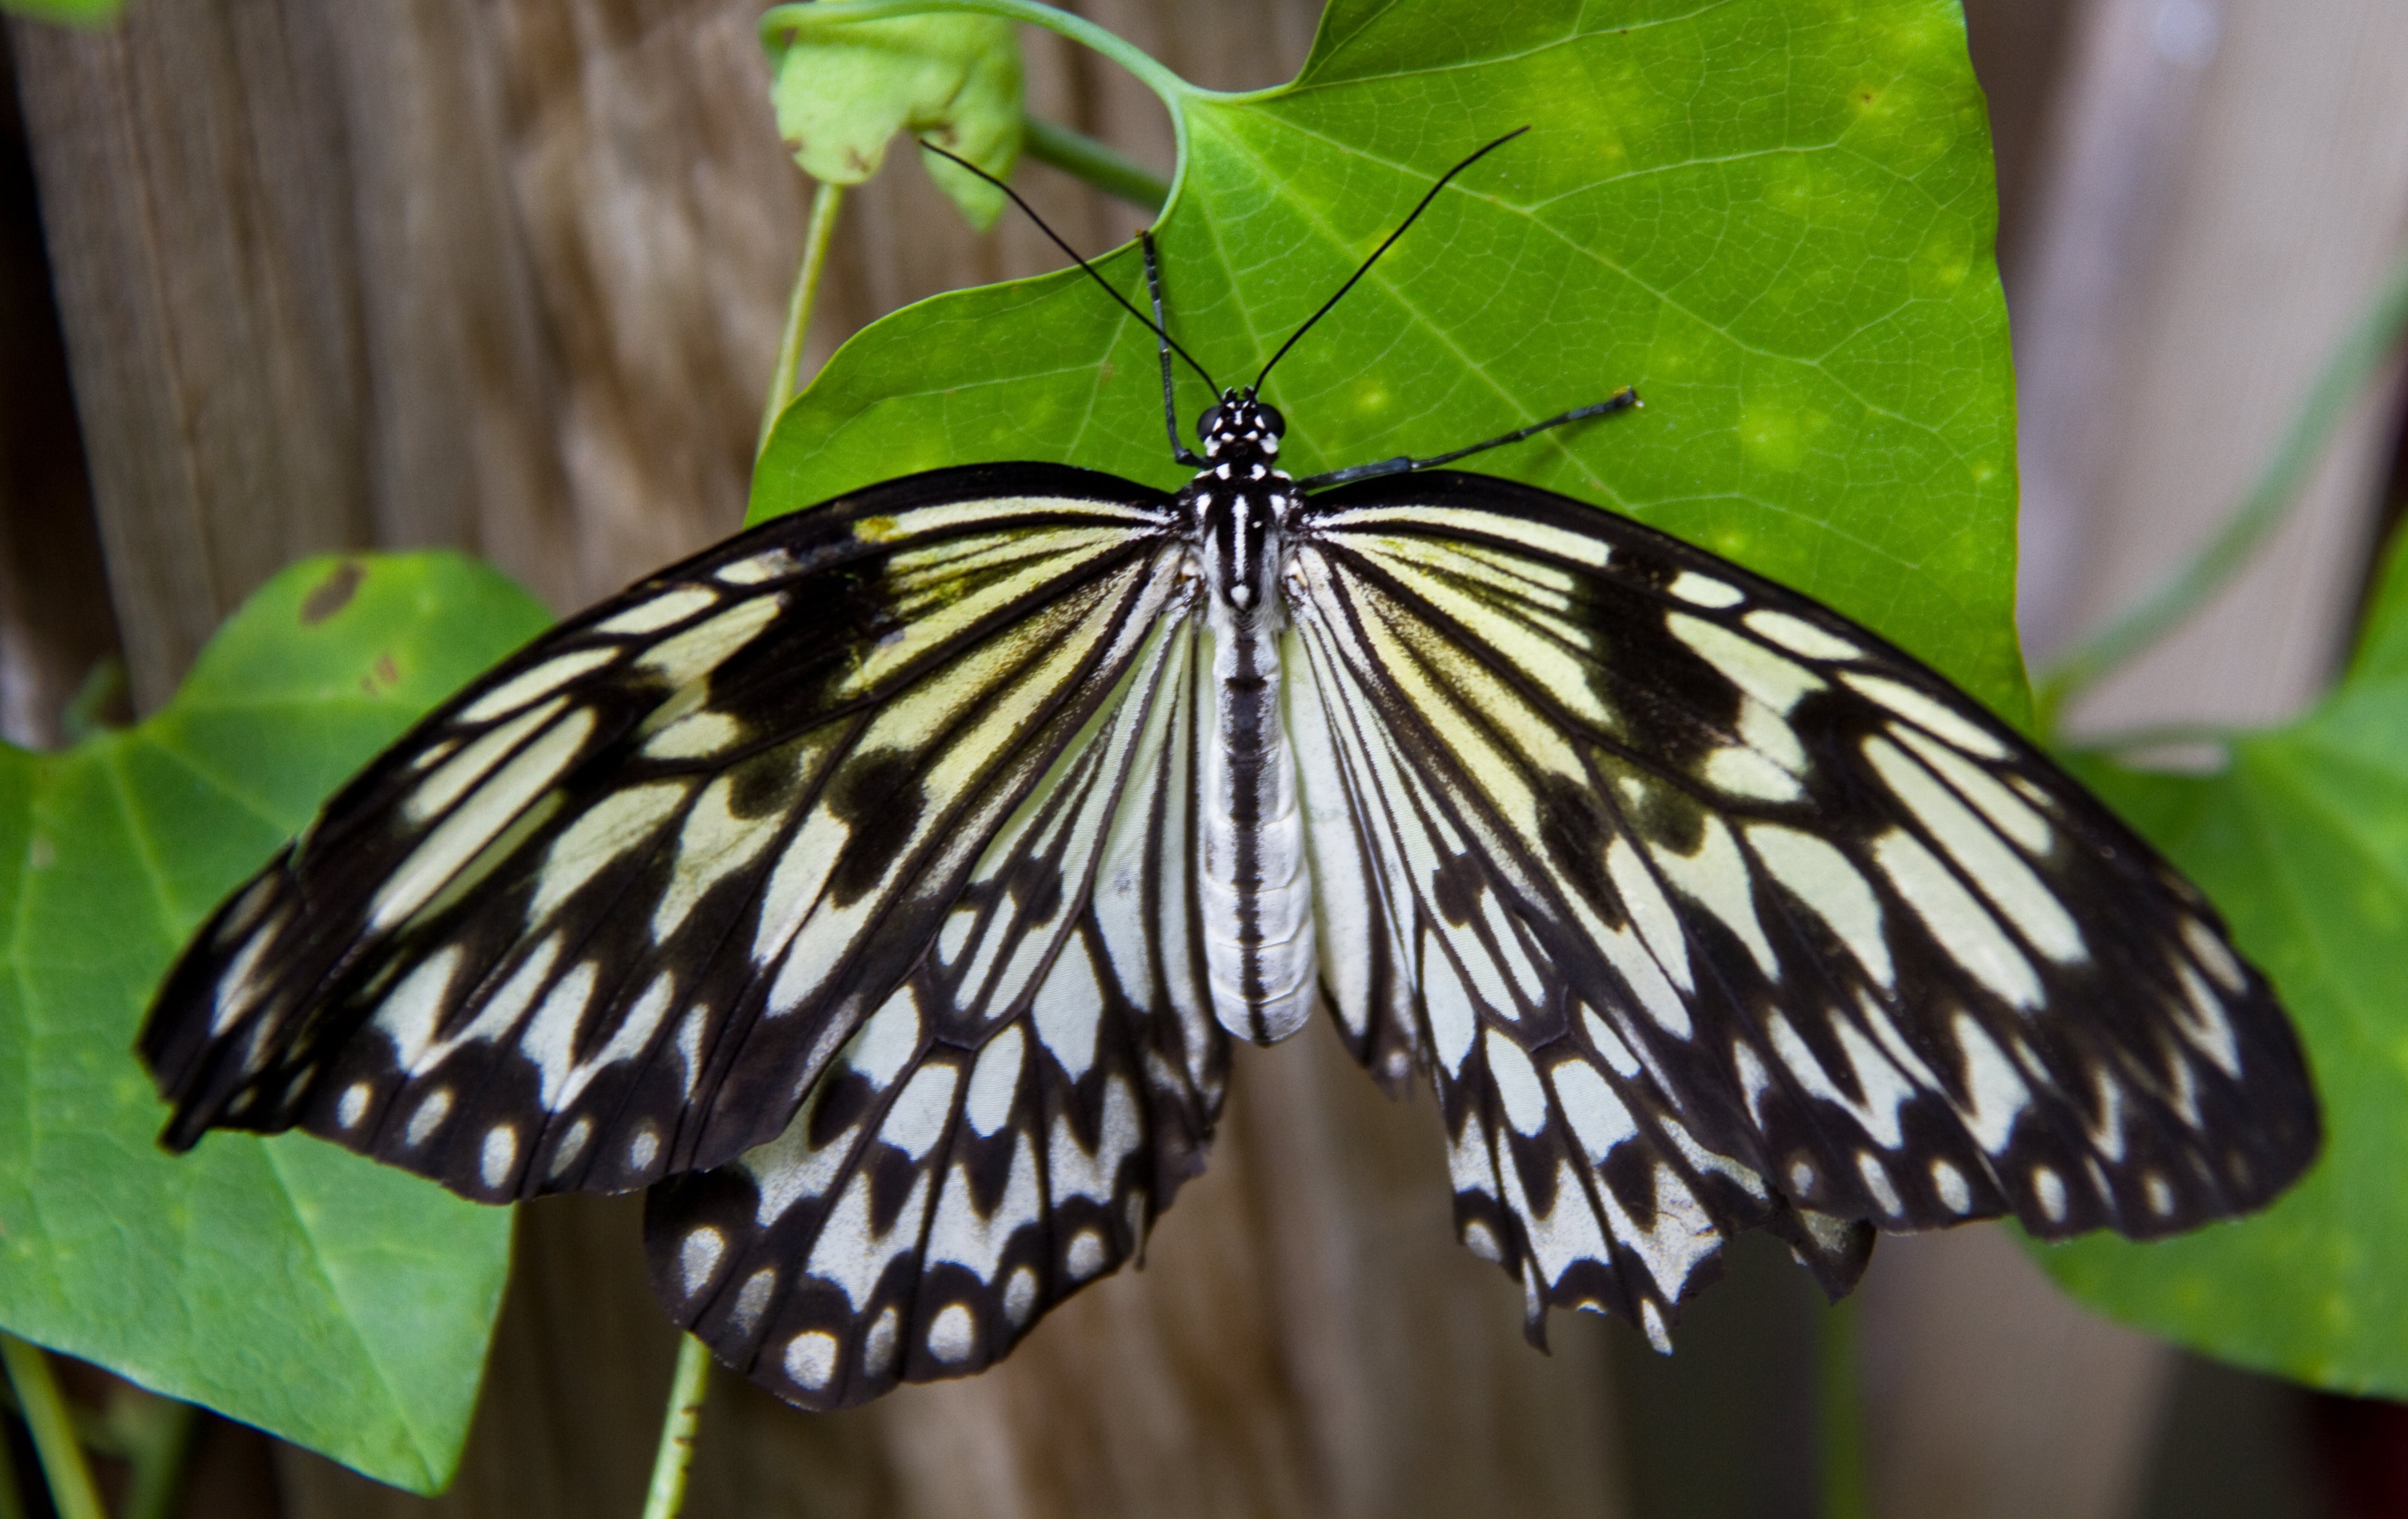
(285, 1283)
(843, 93)
(2302, 841)
(1773, 218)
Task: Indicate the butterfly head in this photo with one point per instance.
(1239, 503)
(1239, 426)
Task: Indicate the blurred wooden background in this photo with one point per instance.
(508, 274)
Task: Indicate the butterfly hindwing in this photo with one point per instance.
(1846, 948)
(603, 916)
(1005, 1127)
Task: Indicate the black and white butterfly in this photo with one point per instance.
(882, 889)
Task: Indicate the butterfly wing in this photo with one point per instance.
(1006, 1127)
(609, 914)
(1714, 910)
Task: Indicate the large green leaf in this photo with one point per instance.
(1774, 217)
(2302, 841)
(339, 1304)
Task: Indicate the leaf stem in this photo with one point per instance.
(1174, 91)
(157, 1433)
(826, 200)
(687, 1389)
(1076, 153)
(2360, 355)
(1839, 1415)
(53, 1430)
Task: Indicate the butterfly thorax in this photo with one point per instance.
(1237, 505)
(1256, 892)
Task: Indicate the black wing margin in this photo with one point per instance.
(1711, 909)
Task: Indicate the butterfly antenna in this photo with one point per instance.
(1375, 252)
(1150, 325)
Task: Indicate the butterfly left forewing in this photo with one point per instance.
(1854, 936)
(604, 914)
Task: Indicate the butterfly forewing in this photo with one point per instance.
(604, 915)
(1842, 945)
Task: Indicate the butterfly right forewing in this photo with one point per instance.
(1714, 894)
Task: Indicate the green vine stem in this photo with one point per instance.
(155, 1435)
(1839, 1409)
(826, 200)
(1076, 153)
(63, 1470)
(2360, 355)
(687, 1389)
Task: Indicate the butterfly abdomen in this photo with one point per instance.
(1258, 942)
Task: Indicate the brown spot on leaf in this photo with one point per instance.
(381, 676)
(332, 593)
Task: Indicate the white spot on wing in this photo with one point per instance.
(428, 1118)
(469, 766)
(1995, 1096)
(1069, 1008)
(1609, 1044)
(1926, 713)
(1799, 635)
(1085, 1256)
(352, 1106)
(1962, 925)
(877, 1346)
(500, 1154)
(1877, 1182)
(1596, 1115)
(1450, 1018)
(656, 612)
(810, 1358)
(760, 567)
(475, 822)
(994, 1080)
(1658, 925)
(1517, 1085)
(2209, 948)
(2049, 1188)
(697, 1257)
(1949, 1183)
(1996, 868)
(921, 1111)
(1832, 889)
(887, 1040)
(953, 1334)
(1704, 590)
(1716, 878)
(704, 647)
(1020, 1296)
(533, 685)
(754, 1297)
(1768, 677)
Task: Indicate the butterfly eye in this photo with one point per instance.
(1209, 422)
(1273, 424)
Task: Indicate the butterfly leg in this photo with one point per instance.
(1623, 400)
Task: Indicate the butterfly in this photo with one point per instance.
(882, 888)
